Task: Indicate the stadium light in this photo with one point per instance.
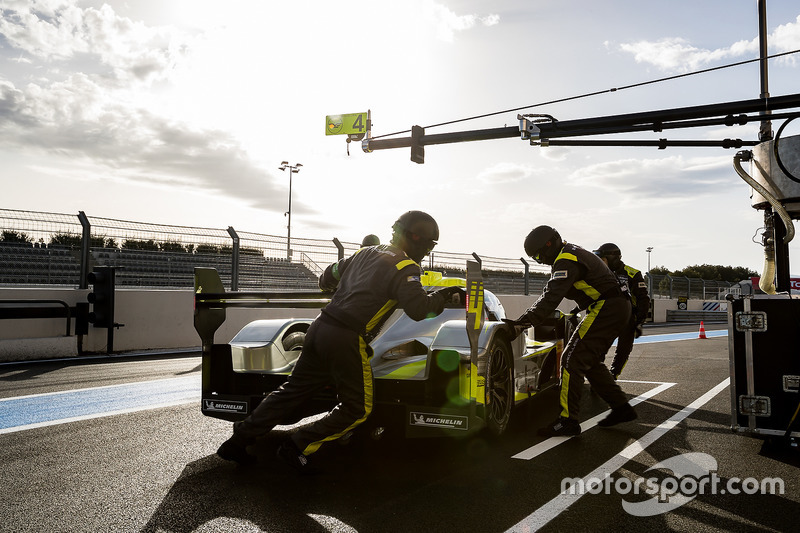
(649, 275)
(293, 169)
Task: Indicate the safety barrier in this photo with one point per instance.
(24, 309)
(679, 315)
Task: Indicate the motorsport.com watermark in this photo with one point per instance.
(694, 474)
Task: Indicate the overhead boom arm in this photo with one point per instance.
(544, 131)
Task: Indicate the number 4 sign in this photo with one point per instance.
(349, 124)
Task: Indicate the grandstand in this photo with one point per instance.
(160, 269)
(33, 264)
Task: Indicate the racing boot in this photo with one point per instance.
(289, 453)
(561, 427)
(235, 449)
(623, 413)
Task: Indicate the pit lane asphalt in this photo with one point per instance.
(155, 470)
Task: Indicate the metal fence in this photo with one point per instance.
(39, 248)
(666, 286)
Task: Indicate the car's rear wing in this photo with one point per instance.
(211, 300)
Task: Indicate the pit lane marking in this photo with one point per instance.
(21, 413)
(688, 335)
(670, 337)
(544, 514)
(552, 442)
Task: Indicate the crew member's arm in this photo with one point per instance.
(561, 280)
(413, 299)
(329, 279)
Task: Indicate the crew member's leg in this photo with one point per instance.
(347, 356)
(624, 348)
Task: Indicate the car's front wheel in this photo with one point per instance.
(499, 386)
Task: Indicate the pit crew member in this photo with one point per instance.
(581, 276)
(369, 285)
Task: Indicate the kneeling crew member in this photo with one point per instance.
(369, 285)
(579, 275)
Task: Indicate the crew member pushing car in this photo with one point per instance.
(369, 285)
(581, 276)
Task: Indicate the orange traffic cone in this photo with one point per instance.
(702, 331)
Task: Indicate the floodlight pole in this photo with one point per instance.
(293, 169)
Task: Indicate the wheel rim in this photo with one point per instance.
(499, 387)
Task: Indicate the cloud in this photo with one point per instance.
(505, 173)
(98, 116)
(658, 180)
(57, 32)
(555, 153)
(448, 23)
(675, 54)
(786, 37)
(78, 120)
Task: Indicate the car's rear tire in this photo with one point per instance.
(294, 341)
(499, 386)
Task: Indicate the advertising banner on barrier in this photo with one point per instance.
(794, 283)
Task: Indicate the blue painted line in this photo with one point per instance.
(89, 403)
(667, 337)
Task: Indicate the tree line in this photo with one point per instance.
(708, 272)
(70, 240)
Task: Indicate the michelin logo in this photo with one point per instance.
(225, 407)
(439, 421)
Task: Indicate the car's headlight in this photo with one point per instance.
(408, 349)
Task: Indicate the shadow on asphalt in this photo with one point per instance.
(352, 479)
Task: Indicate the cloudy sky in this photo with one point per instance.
(181, 111)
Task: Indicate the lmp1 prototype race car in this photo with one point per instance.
(453, 374)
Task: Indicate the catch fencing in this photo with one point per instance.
(38, 248)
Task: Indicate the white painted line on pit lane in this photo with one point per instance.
(552, 442)
(544, 514)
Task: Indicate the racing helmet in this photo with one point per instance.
(416, 233)
(543, 244)
(611, 253)
(370, 240)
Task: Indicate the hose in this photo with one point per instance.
(767, 281)
(776, 205)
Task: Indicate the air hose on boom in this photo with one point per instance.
(767, 283)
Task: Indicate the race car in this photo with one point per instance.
(454, 374)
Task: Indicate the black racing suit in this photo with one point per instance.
(369, 284)
(640, 301)
(581, 276)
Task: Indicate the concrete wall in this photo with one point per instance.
(161, 319)
(153, 319)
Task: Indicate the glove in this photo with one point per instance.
(514, 327)
(452, 295)
(638, 331)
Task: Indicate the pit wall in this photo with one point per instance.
(161, 319)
